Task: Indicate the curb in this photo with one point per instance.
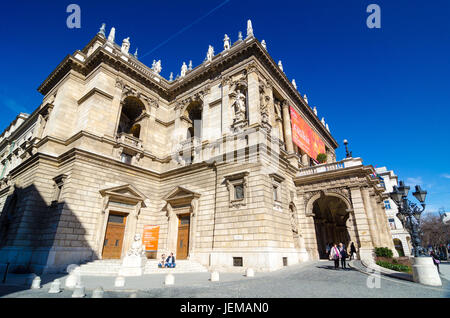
(400, 276)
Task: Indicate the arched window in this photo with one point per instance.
(132, 114)
(194, 113)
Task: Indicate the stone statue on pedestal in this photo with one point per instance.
(183, 69)
(226, 43)
(210, 54)
(134, 262)
(125, 46)
(156, 67)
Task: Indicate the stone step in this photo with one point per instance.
(112, 267)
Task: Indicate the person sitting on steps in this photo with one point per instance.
(162, 262)
(170, 261)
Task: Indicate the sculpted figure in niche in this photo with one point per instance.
(239, 105)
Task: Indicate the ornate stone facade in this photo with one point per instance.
(207, 157)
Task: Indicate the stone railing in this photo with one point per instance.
(129, 140)
(346, 163)
(191, 142)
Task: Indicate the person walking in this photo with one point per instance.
(335, 256)
(352, 250)
(327, 249)
(343, 253)
(435, 260)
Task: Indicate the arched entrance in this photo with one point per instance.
(330, 218)
(399, 247)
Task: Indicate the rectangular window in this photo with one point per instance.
(239, 191)
(392, 224)
(275, 193)
(237, 261)
(126, 158)
(285, 261)
(114, 218)
(387, 205)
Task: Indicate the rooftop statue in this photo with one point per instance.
(102, 29)
(171, 76)
(263, 43)
(315, 110)
(280, 65)
(240, 36)
(249, 29)
(125, 46)
(112, 35)
(226, 43)
(136, 53)
(183, 69)
(190, 66)
(294, 83)
(305, 98)
(156, 67)
(210, 54)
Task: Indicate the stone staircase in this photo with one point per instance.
(183, 266)
(112, 267)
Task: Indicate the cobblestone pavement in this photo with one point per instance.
(312, 279)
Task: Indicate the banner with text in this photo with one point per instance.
(150, 238)
(304, 137)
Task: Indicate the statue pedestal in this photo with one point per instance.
(133, 265)
(425, 272)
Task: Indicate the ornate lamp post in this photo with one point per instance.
(424, 271)
(409, 214)
(347, 153)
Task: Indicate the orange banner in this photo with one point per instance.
(150, 238)
(304, 137)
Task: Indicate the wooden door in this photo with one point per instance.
(112, 246)
(183, 236)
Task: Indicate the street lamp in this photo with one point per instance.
(409, 213)
(347, 153)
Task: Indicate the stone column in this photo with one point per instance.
(374, 231)
(205, 119)
(172, 230)
(362, 224)
(226, 107)
(253, 102)
(380, 221)
(287, 128)
(176, 137)
(193, 229)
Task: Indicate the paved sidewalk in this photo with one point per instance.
(312, 279)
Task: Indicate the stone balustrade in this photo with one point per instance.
(346, 163)
(129, 140)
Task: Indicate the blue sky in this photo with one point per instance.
(385, 90)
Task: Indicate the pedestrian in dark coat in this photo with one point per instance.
(435, 260)
(344, 255)
(352, 250)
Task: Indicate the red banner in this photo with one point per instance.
(304, 137)
(150, 238)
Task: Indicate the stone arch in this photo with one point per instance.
(331, 213)
(194, 113)
(315, 197)
(132, 114)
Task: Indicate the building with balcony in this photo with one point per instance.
(400, 237)
(221, 161)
